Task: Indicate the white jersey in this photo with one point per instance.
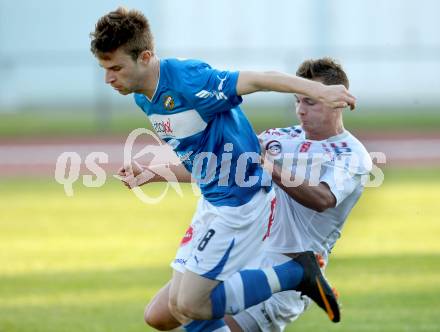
(340, 161)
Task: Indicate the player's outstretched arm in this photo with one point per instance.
(179, 171)
(334, 96)
(316, 197)
(135, 175)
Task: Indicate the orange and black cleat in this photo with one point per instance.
(315, 286)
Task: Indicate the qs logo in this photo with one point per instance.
(167, 174)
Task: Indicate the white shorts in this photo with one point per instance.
(279, 310)
(222, 239)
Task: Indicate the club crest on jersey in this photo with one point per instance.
(273, 148)
(168, 103)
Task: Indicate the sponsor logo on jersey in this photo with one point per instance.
(163, 127)
(187, 237)
(305, 146)
(328, 154)
(341, 148)
(180, 261)
(168, 103)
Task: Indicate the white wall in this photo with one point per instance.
(390, 48)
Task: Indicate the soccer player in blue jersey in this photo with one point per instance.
(195, 109)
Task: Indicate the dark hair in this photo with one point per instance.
(326, 69)
(124, 28)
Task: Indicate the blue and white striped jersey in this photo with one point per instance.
(195, 109)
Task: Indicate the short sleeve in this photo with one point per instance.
(343, 176)
(209, 90)
(341, 180)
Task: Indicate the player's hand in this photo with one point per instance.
(128, 174)
(126, 177)
(122, 172)
(337, 96)
(134, 168)
(134, 175)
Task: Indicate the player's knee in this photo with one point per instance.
(188, 311)
(155, 320)
(191, 309)
(172, 305)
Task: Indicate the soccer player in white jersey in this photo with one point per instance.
(195, 109)
(310, 214)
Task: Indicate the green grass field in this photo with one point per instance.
(34, 123)
(91, 262)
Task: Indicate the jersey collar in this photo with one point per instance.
(157, 84)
